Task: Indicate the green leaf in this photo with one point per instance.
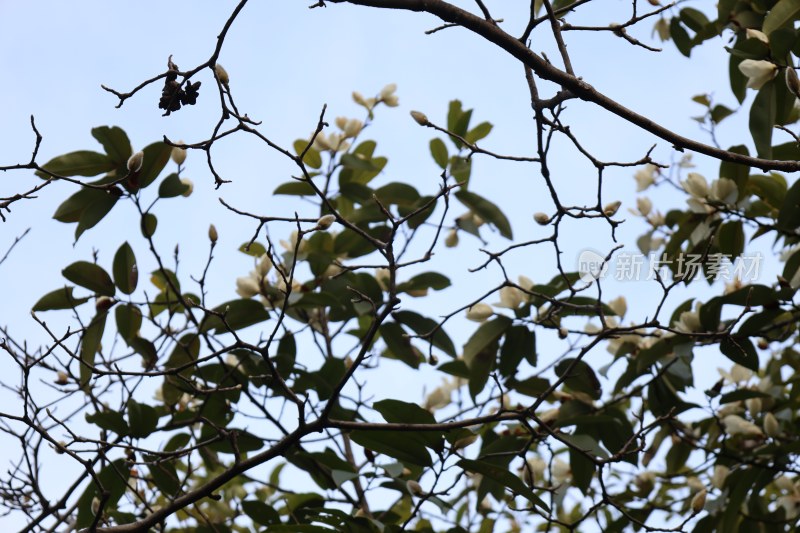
(70, 209)
(486, 334)
(520, 344)
(478, 132)
(260, 512)
(129, 321)
(148, 225)
(115, 143)
(109, 420)
(782, 13)
(740, 350)
(694, 19)
(399, 345)
(426, 280)
(156, 157)
(256, 249)
(681, 37)
(410, 413)
(395, 444)
(580, 378)
(94, 212)
(58, 299)
(505, 478)
(762, 119)
(126, 274)
(423, 326)
(90, 276)
(238, 314)
(164, 475)
(142, 419)
(731, 239)
(487, 211)
(439, 152)
(172, 186)
(312, 157)
(90, 345)
(80, 163)
(295, 188)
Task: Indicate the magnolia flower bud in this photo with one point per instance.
(264, 265)
(724, 190)
(611, 209)
(451, 241)
(645, 177)
(325, 221)
(771, 425)
(190, 186)
(104, 303)
(433, 360)
(420, 118)
(720, 474)
(541, 218)
(792, 81)
(388, 90)
(563, 333)
(212, 233)
(135, 161)
(699, 501)
(414, 488)
(222, 75)
(61, 378)
(753, 405)
(61, 447)
(178, 154)
(479, 312)
(511, 298)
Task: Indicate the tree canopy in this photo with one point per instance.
(359, 375)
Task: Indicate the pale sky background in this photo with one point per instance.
(285, 61)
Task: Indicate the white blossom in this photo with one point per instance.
(758, 72)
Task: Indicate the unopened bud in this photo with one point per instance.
(325, 221)
(720, 474)
(699, 501)
(222, 74)
(792, 81)
(135, 162)
(611, 209)
(61, 447)
(464, 442)
(61, 378)
(541, 218)
(433, 360)
(420, 118)
(178, 154)
(771, 425)
(451, 241)
(212, 233)
(414, 488)
(103, 304)
(562, 333)
(189, 186)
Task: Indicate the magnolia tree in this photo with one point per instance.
(260, 410)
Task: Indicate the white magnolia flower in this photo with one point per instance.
(791, 505)
(720, 474)
(696, 185)
(724, 190)
(758, 72)
(645, 177)
(784, 483)
(388, 97)
(619, 306)
(689, 321)
(351, 127)
(479, 312)
(178, 155)
(325, 221)
(644, 205)
(755, 34)
(511, 298)
(264, 265)
(247, 286)
(771, 425)
(736, 425)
